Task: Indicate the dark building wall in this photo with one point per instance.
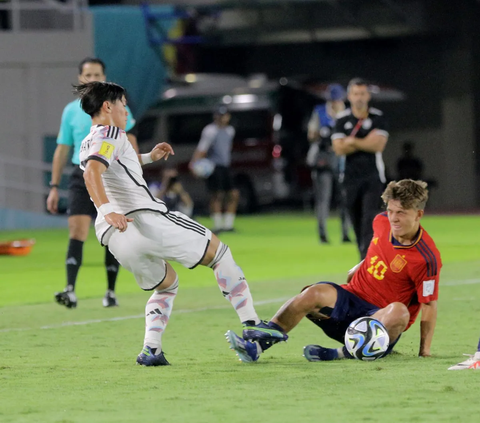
(435, 73)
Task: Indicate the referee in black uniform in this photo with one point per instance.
(361, 135)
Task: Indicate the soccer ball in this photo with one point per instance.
(203, 168)
(366, 339)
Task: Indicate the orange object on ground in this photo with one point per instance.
(21, 247)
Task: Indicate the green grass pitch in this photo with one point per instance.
(60, 365)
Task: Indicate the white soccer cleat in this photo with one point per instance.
(472, 363)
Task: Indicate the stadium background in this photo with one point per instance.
(61, 366)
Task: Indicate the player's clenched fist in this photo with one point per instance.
(118, 221)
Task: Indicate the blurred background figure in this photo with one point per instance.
(216, 144)
(172, 192)
(325, 165)
(361, 135)
(409, 166)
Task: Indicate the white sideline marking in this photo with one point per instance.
(195, 310)
(137, 316)
(465, 282)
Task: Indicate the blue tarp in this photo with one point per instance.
(19, 219)
(121, 42)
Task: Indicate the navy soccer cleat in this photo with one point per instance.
(318, 353)
(247, 351)
(265, 334)
(148, 358)
(66, 298)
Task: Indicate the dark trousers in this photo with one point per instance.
(363, 204)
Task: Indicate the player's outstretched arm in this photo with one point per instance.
(427, 327)
(93, 181)
(160, 151)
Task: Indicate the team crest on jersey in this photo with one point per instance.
(398, 263)
(348, 125)
(367, 123)
(106, 150)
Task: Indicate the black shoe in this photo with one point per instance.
(229, 230)
(324, 239)
(346, 239)
(66, 298)
(110, 299)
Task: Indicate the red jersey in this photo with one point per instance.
(392, 272)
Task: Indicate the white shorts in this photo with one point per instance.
(152, 239)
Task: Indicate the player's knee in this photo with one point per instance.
(399, 313)
(318, 296)
(170, 282)
(78, 230)
(234, 195)
(217, 196)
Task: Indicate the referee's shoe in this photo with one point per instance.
(66, 298)
(110, 299)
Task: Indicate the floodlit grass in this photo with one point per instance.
(60, 365)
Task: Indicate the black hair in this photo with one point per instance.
(93, 94)
(357, 82)
(91, 60)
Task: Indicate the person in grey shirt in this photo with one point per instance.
(327, 169)
(216, 145)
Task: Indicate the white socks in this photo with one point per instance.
(225, 221)
(157, 313)
(217, 221)
(229, 220)
(233, 284)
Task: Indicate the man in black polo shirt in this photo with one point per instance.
(361, 135)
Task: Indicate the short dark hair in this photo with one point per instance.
(93, 94)
(91, 60)
(411, 194)
(356, 82)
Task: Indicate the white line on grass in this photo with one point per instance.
(137, 316)
(465, 282)
(193, 310)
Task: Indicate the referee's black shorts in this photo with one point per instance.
(220, 180)
(78, 198)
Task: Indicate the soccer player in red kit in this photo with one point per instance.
(398, 278)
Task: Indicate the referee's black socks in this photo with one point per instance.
(74, 261)
(112, 266)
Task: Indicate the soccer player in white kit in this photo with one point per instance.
(139, 229)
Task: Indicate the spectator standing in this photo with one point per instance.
(361, 135)
(216, 145)
(323, 161)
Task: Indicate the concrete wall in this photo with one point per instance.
(36, 70)
(447, 153)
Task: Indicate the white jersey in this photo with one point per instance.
(123, 180)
